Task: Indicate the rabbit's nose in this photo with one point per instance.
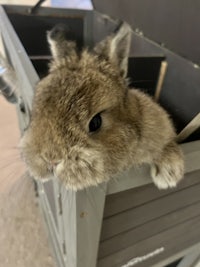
(52, 165)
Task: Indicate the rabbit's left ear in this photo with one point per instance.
(59, 45)
(115, 48)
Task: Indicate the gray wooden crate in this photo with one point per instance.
(111, 224)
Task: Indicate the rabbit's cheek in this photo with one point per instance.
(38, 168)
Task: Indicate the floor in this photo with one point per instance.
(23, 237)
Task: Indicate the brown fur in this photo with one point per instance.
(134, 129)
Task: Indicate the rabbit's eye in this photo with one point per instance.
(95, 123)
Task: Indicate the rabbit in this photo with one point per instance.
(87, 125)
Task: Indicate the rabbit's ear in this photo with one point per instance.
(115, 48)
(59, 45)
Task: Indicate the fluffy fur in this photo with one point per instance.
(134, 129)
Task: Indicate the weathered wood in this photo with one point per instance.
(142, 214)
(174, 33)
(49, 190)
(25, 72)
(161, 77)
(122, 201)
(190, 128)
(173, 240)
(59, 211)
(140, 176)
(191, 259)
(146, 230)
(51, 226)
(178, 255)
(82, 218)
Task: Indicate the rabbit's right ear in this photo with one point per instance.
(115, 48)
(59, 45)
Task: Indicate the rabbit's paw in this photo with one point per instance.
(169, 169)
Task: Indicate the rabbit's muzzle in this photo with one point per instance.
(79, 168)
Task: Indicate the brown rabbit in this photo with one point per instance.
(87, 125)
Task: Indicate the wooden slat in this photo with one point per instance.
(136, 177)
(190, 260)
(126, 220)
(161, 77)
(25, 72)
(189, 128)
(178, 255)
(82, 219)
(174, 244)
(128, 199)
(147, 230)
(49, 190)
(172, 240)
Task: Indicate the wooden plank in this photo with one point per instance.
(50, 223)
(190, 128)
(131, 178)
(174, 33)
(178, 255)
(59, 211)
(129, 199)
(136, 177)
(126, 239)
(190, 260)
(172, 241)
(129, 219)
(25, 72)
(82, 217)
(177, 245)
(161, 77)
(49, 191)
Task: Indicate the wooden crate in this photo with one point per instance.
(128, 219)
(143, 219)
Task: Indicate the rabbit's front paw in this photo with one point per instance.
(166, 176)
(169, 169)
